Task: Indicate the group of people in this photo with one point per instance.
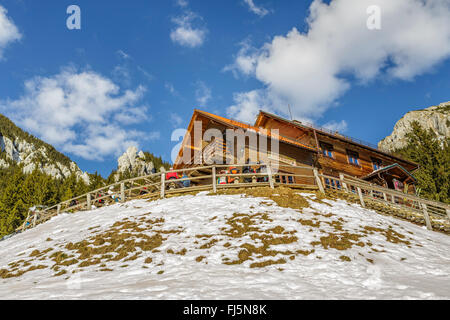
(171, 175)
(248, 169)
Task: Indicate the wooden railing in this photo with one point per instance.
(365, 190)
(216, 177)
(156, 185)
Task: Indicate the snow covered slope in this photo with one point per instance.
(226, 247)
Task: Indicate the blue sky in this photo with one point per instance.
(137, 69)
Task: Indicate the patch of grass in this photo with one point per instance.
(148, 260)
(267, 263)
(209, 244)
(339, 241)
(200, 258)
(62, 272)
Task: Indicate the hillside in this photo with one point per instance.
(292, 245)
(436, 118)
(20, 147)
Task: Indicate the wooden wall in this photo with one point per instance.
(339, 162)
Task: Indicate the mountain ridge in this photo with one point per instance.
(436, 118)
(20, 147)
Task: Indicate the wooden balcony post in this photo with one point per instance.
(361, 197)
(427, 217)
(318, 180)
(122, 192)
(163, 184)
(214, 182)
(344, 184)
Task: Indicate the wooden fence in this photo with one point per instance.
(215, 177)
(156, 185)
(372, 192)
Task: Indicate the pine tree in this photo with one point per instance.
(96, 181)
(12, 207)
(433, 157)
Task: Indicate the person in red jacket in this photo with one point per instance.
(171, 175)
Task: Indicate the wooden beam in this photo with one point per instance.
(163, 184)
(318, 180)
(269, 175)
(344, 184)
(361, 197)
(214, 182)
(122, 192)
(25, 223)
(427, 217)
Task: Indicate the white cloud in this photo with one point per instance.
(121, 74)
(340, 126)
(123, 54)
(175, 119)
(169, 86)
(245, 60)
(132, 115)
(260, 11)
(312, 70)
(8, 31)
(82, 113)
(247, 105)
(182, 3)
(202, 93)
(185, 34)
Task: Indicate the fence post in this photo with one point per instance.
(163, 184)
(427, 217)
(122, 192)
(318, 181)
(25, 223)
(269, 175)
(344, 184)
(88, 201)
(385, 196)
(361, 197)
(34, 219)
(58, 208)
(214, 179)
(448, 213)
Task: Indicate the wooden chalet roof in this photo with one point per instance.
(392, 167)
(241, 125)
(263, 114)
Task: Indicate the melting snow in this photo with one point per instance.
(378, 269)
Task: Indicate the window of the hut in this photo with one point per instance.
(377, 163)
(327, 149)
(353, 157)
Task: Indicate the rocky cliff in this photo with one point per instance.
(134, 162)
(20, 147)
(436, 118)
